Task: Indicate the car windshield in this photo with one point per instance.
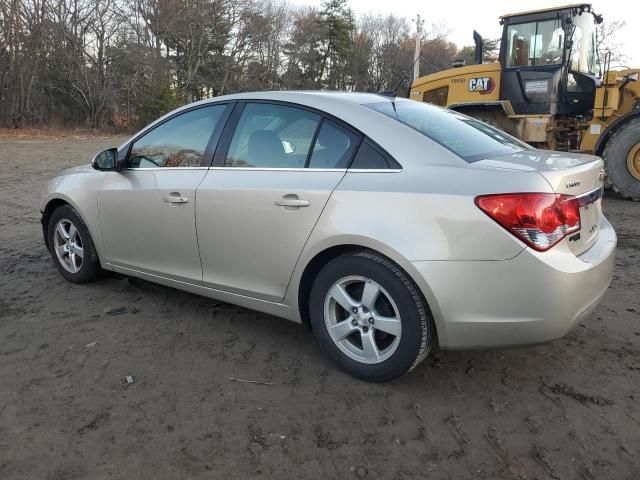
(468, 138)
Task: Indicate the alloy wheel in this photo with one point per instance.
(362, 319)
(68, 245)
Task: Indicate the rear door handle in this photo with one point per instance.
(292, 202)
(176, 198)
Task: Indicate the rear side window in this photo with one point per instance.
(468, 138)
(272, 136)
(369, 157)
(334, 146)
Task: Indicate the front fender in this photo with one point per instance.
(78, 188)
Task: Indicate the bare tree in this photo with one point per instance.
(607, 41)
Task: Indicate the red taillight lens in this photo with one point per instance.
(539, 219)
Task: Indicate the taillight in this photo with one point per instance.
(538, 219)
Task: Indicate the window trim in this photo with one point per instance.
(280, 169)
(314, 139)
(212, 143)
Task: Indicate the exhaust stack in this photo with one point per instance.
(477, 38)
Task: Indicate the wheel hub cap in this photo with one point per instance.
(633, 161)
(362, 317)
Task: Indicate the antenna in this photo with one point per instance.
(392, 93)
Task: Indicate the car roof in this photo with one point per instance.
(312, 96)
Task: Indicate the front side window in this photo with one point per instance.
(468, 138)
(178, 142)
(535, 44)
(272, 136)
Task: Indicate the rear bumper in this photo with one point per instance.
(534, 297)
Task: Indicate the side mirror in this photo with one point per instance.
(106, 160)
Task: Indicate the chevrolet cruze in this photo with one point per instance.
(385, 225)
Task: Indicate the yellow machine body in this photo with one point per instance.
(473, 83)
(544, 91)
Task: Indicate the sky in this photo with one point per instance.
(482, 15)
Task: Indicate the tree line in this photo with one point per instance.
(122, 63)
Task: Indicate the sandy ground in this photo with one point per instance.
(564, 410)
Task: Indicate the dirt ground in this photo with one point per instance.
(563, 410)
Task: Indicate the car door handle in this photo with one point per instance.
(176, 198)
(292, 202)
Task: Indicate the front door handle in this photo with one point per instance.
(175, 197)
(292, 202)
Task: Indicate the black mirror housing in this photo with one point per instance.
(107, 160)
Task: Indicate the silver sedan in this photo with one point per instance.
(385, 225)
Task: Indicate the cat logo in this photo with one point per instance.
(483, 85)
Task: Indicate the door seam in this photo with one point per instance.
(310, 233)
(195, 222)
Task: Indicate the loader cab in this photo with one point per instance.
(548, 60)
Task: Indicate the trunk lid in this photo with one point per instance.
(573, 174)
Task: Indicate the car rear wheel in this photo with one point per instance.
(369, 316)
(71, 246)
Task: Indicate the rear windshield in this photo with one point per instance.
(468, 138)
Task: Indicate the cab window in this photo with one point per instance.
(535, 43)
(178, 142)
(583, 45)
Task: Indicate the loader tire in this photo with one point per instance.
(622, 159)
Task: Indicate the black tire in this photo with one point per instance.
(89, 267)
(418, 329)
(615, 155)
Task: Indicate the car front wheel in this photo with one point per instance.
(369, 316)
(71, 246)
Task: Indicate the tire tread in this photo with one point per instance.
(426, 320)
(608, 149)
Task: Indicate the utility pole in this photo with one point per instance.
(416, 64)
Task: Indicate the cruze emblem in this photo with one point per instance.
(573, 183)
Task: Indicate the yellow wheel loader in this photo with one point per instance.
(546, 91)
